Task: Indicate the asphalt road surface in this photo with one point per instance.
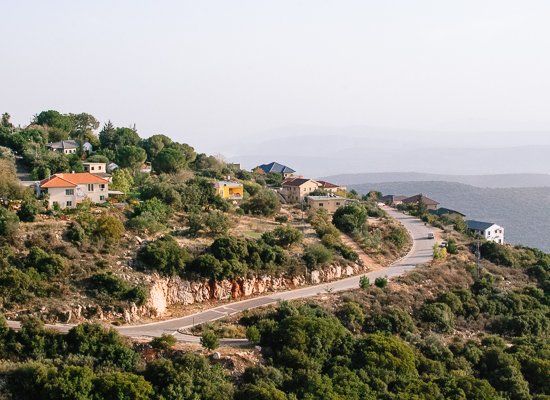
(420, 253)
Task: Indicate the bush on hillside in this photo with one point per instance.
(349, 219)
(164, 255)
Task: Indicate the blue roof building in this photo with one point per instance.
(488, 230)
(276, 168)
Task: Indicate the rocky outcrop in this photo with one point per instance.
(167, 291)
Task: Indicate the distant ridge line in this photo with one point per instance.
(512, 180)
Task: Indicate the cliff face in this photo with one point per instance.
(165, 292)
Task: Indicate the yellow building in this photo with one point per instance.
(229, 190)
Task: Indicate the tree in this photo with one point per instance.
(131, 157)
(452, 247)
(351, 315)
(209, 340)
(385, 357)
(115, 138)
(9, 183)
(350, 218)
(284, 236)
(503, 372)
(122, 386)
(164, 255)
(155, 144)
(71, 383)
(49, 265)
(264, 203)
(261, 391)
(155, 208)
(206, 265)
(317, 254)
(29, 208)
(9, 224)
(55, 119)
(364, 282)
(253, 334)
(169, 161)
(98, 158)
(5, 122)
(398, 236)
(381, 282)
(217, 222)
(163, 342)
(122, 180)
(109, 228)
(438, 316)
(83, 128)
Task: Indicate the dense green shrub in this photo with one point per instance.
(438, 316)
(154, 208)
(498, 254)
(317, 254)
(265, 203)
(48, 265)
(109, 228)
(9, 224)
(393, 321)
(350, 218)
(164, 255)
(284, 236)
(209, 340)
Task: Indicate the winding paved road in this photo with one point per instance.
(420, 253)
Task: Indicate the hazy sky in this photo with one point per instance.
(209, 71)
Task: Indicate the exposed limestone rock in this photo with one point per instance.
(164, 292)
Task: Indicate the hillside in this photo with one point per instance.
(483, 181)
(525, 212)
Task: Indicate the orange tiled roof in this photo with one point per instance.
(71, 180)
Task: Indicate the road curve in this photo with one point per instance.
(420, 253)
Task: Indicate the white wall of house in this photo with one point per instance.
(69, 197)
(495, 234)
(95, 168)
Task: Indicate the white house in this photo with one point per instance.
(488, 230)
(67, 190)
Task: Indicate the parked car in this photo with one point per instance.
(431, 235)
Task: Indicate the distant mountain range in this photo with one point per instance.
(483, 181)
(524, 212)
(322, 151)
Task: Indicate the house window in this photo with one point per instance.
(337, 203)
(69, 192)
(93, 168)
(102, 198)
(69, 204)
(320, 204)
(99, 167)
(102, 186)
(90, 187)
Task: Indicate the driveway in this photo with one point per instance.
(420, 253)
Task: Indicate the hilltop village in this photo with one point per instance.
(103, 232)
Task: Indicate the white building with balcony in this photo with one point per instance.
(488, 230)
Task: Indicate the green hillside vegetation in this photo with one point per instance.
(170, 222)
(440, 332)
(449, 330)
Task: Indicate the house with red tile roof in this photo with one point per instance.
(67, 190)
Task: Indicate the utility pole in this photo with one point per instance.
(478, 260)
